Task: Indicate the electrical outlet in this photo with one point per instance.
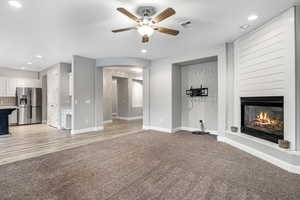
(86, 121)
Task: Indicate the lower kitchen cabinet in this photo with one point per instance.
(13, 118)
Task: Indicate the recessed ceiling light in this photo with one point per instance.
(15, 4)
(39, 56)
(245, 27)
(252, 17)
(29, 63)
(144, 51)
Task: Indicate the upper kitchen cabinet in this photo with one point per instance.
(3, 87)
(11, 87)
(8, 86)
(30, 83)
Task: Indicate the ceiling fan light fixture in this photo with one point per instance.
(145, 30)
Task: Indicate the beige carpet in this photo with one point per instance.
(148, 165)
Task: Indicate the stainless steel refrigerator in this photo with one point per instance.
(30, 105)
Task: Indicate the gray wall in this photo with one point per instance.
(146, 97)
(99, 97)
(298, 76)
(107, 94)
(133, 111)
(44, 98)
(161, 94)
(200, 108)
(115, 96)
(12, 73)
(230, 86)
(123, 99)
(65, 99)
(176, 96)
(83, 102)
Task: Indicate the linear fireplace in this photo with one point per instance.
(263, 117)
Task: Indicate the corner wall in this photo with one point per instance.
(87, 95)
(230, 85)
(162, 114)
(107, 94)
(297, 22)
(200, 108)
(176, 97)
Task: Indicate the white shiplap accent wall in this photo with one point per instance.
(265, 66)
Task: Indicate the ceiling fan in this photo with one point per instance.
(146, 25)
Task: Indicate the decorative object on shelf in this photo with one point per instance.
(197, 92)
(284, 144)
(234, 129)
(202, 129)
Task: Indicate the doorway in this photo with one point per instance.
(123, 96)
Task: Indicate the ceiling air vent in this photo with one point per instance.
(186, 24)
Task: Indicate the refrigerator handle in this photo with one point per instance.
(30, 112)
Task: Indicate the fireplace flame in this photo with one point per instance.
(263, 118)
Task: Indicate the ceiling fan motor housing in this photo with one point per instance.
(146, 11)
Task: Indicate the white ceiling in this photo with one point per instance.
(58, 29)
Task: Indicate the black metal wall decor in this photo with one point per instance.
(197, 92)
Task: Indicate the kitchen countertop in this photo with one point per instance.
(8, 107)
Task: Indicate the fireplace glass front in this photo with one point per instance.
(263, 117)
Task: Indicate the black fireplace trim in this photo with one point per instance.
(271, 101)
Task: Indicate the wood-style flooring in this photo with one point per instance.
(36, 140)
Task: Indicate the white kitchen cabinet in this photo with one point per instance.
(13, 118)
(11, 87)
(3, 87)
(30, 83)
(8, 86)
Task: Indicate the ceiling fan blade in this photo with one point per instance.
(123, 29)
(145, 39)
(128, 14)
(165, 14)
(167, 31)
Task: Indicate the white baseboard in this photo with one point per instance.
(174, 130)
(107, 122)
(87, 130)
(166, 130)
(275, 161)
(212, 132)
(129, 118)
